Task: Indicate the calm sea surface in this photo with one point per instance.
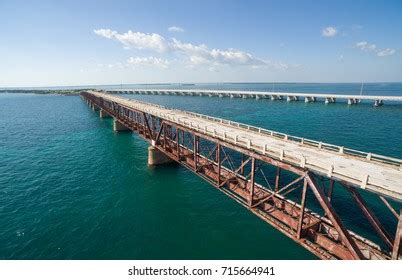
(71, 188)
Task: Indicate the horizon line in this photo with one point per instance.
(195, 83)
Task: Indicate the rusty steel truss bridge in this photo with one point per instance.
(241, 161)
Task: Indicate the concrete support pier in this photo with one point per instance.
(378, 103)
(353, 101)
(292, 98)
(308, 99)
(156, 157)
(118, 126)
(104, 114)
(276, 97)
(330, 100)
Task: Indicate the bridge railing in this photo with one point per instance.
(283, 136)
(304, 141)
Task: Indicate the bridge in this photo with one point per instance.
(241, 160)
(288, 96)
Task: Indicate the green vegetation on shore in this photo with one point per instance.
(45, 91)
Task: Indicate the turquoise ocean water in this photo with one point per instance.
(71, 188)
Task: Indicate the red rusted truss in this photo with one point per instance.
(325, 235)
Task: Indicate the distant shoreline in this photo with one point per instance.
(41, 91)
(89, 86)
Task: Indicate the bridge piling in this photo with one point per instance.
(308, 99)
(330, 100)
(118, 126)
(290, 98)
(156, 157)
(378, 102)
(353, 101)
(104, 114)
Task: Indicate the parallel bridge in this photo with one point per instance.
(237, 159)
(288, 96)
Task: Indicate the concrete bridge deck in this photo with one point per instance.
(376, 173)
(212, 148)
(288, 96)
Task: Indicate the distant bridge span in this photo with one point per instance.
(351, 99)
(233, 157)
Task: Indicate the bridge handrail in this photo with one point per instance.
(301, 141)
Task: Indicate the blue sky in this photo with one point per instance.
(50, 43)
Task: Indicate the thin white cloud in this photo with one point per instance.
(329, 31)
(194, 55)
(101, 66)
(365, 46)
(386, 52)
(148, 61)
(280, 65)
(201, 54)
(107, 33)
(137, 40)
(175, 29)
